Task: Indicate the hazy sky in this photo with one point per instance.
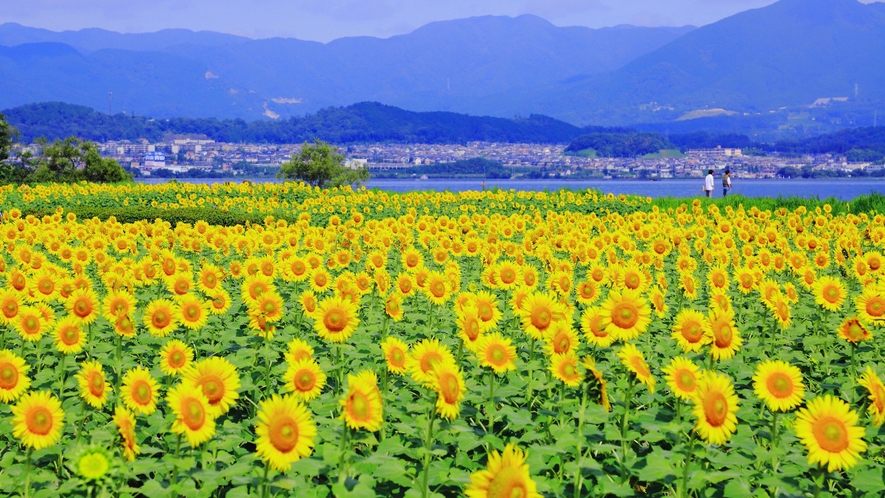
(324, 20)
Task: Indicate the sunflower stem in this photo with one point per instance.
(266, 490)
(267, 355)
(119, 360)
(82, 419)
(339, 368)
(61, 382)
(819, 481)
(175, 466)
(579, 475)
(28, 473)
(428, 441)
(624, 421)
(853, 380)
(491, 402)
(689, 448)
(342, 461)
(529, 387)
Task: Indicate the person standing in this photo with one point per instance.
(709, 184)
(726, 183)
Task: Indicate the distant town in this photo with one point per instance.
(200, 156)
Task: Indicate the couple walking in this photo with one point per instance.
(709, 183)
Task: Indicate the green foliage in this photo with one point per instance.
(476, 166)
(320, 166)
(630, 144)
(72, 160)
(133, 214)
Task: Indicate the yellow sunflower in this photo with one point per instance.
(625, 314)
(361, 405)
(304, 379)
(496, 352)
(335, 319)
(852, 330)
(139, 391)
(125, 422)
(870, 305)
(38, 419)
(682, 377)
(828, 428)
(69, 336)
(634, 360)
(193, 415)
(779, 385)
(594, 332)
(448, 382)
(539, 311)
(191, 311)
(94, 388)
(159, 317)
(506, 474)
(218, 379)
(298, 350)
(285, 432)
(565, 368)
(175, 357)
(424, 356)
(395, 353)
(13, 376)
(725, 339)
(829, 293)
(30, 324)
(715, 408)
(83, 304)
(876, 390)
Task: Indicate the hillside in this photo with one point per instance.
(440, 66)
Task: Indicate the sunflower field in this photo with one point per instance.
(482, 344)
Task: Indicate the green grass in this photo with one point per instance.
(665, 154)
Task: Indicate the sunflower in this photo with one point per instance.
(175, 357)
(539, 311)
(508, 273)
(724, 337)
(489, 313)
(657, 298)
(565, 368)
(691, 330)
(30, 324)
(10, 304)
(870, 305)
(634, 360)
(587, 292)
(424, 357)
(561, 338)
(361, 405)
(876, 388)
(83, 304)
(218, 379)
(159, 317)
(285, 432)
(94, 388)
(139, 391)
(682, 377)
(827, 427)
(594, 332)
(219, 302)
(335, 319)
(191, 311)
(506, 474)
(125, 422)
(469, 328)
(496, 352)
(448, 382)
(69, 336)
(393, 306)
(829, 293)
(436, 288)
(395, 353)
(209, 279)
(305, 379)
(625, 314)
(254, 286)
(779, 385)
(299, 350)
(852, 330)
(715, 408)
(38, 420)
(308, 302)
(193, 416)
(746, 281)
(13, 376)
(405, 284)
(118, 303)
(320, 280)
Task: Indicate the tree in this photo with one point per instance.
(8, 135)
(72, 160)
(321, 166)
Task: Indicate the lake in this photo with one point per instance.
(844, 189)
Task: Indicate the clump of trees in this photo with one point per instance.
(69, 160)
(320, 165)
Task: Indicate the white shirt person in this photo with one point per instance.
(709, 184)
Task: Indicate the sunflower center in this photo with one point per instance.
(304, 380)
(541, 318)
(780, 385)
(632, 281)
(595, 327)
(194, 414)
(192, 313)
(640, 366)
(96, 385)
(283, 433)
(715, 409)
(449, 388)
(429, 360)
(568, 370)
(876, 306)
(181, 287)
(142, 393)
(562, 343)
(177, 359)
(723, 335)
(625, 315)
(334, 320)
(161, 319)
(39, 421)
(471, 329)
(485, 311)
(320, 279)
(46, 287)
(69, 336)
(831, 294)
(213, 388)
(497, 355)
(508, 276)
(8, 376)
(508, 483)
(359, 406)
(438, 289)
(685, 381)
(831, 434)
(10, 309)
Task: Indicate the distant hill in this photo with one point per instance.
(441, 66)
(366, 122)
(790, 53)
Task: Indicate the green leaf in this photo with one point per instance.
(657, 466)
(869, 480)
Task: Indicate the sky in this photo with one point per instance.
(325, 20)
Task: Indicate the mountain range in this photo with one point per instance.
(791, 54)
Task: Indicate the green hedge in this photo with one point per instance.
(132, 214)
